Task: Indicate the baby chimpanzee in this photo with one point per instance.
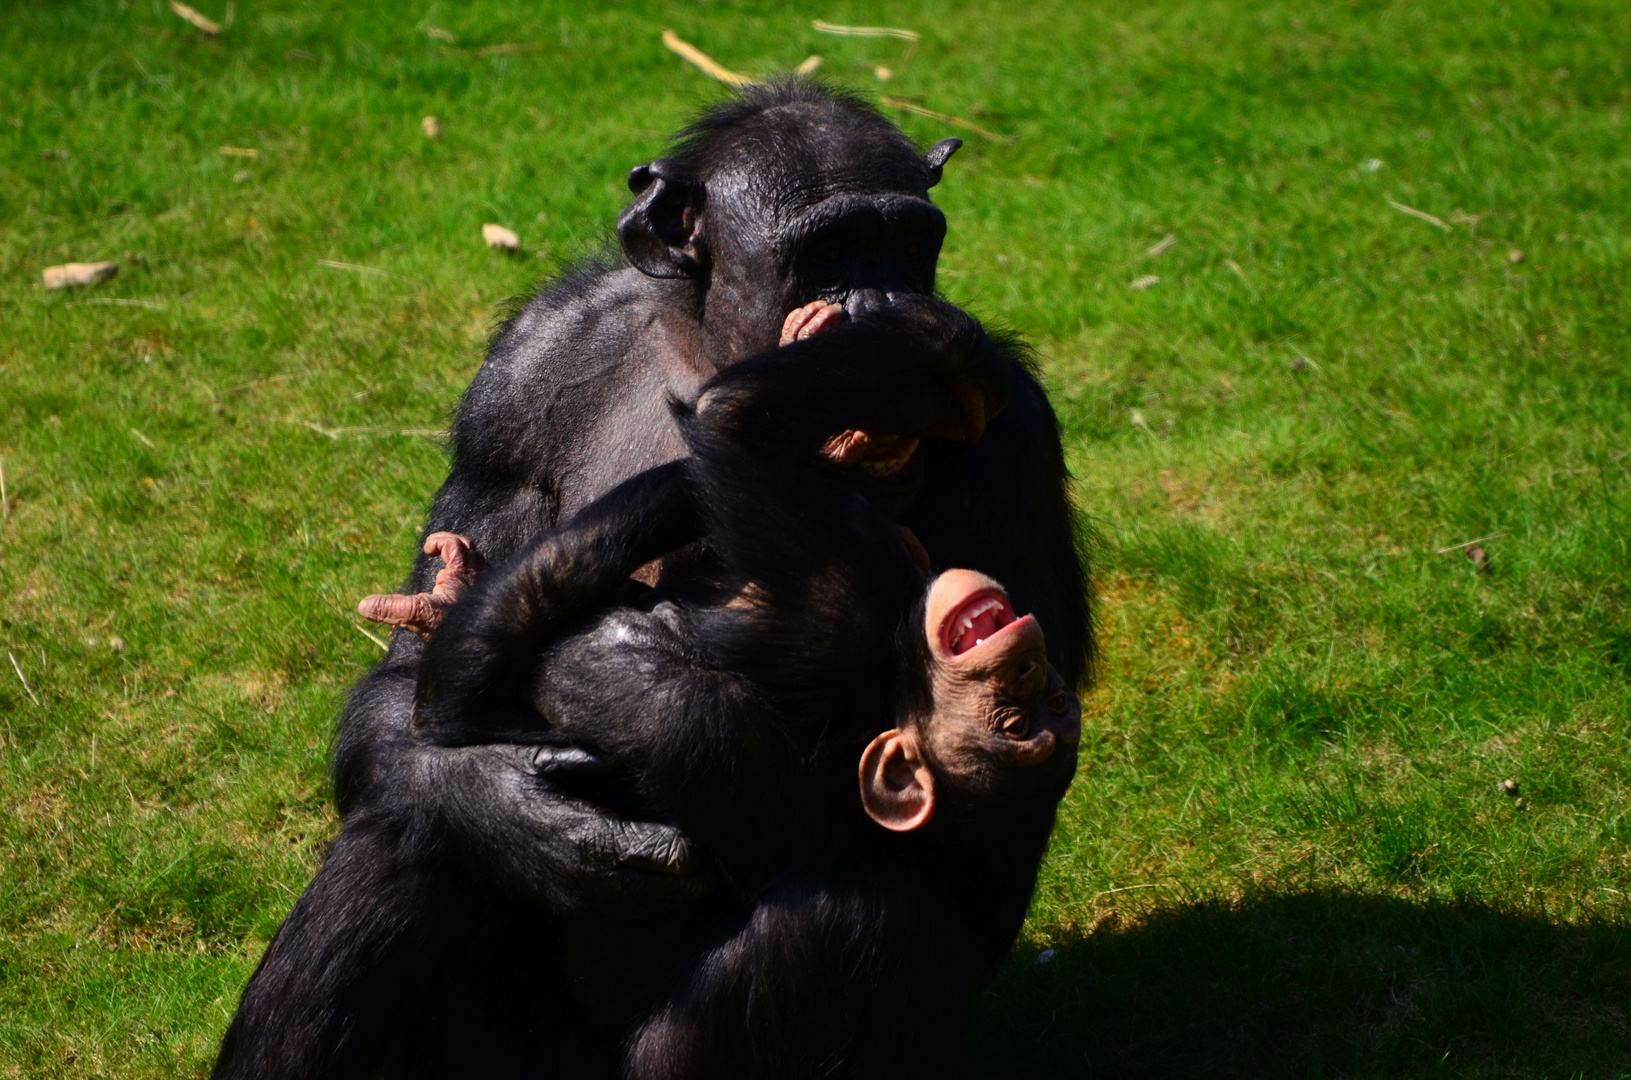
(793, 633)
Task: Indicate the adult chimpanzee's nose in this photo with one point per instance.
(865, 302)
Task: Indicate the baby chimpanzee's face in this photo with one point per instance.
(1003, 722)
(997, 702)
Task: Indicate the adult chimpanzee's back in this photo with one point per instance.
(782, 195)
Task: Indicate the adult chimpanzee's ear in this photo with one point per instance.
(661, 231)
(897, 787)
(937, 157)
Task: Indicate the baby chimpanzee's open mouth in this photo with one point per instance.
(976, 619)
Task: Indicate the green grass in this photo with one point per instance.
(1285, 854)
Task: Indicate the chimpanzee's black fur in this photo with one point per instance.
(738, 696)
(789, 193)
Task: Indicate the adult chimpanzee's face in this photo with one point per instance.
(785, 233)
(798, 204)
(862, 250)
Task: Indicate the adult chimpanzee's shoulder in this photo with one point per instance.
(571, 398)
(581, 334)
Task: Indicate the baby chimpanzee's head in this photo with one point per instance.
(983, 717)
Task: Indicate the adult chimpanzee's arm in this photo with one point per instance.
(505, 809)
(349, 985)
(322, 999)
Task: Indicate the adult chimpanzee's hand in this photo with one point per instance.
(610, 845)
(510, 807)
(514, 814)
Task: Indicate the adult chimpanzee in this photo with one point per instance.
(739, 696)
(782, 196)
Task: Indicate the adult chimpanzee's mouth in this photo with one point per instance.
(980, 617)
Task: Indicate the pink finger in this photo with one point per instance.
(451, 584)
(450, 547)
(825, 319)
(393, 608)
(794, 323)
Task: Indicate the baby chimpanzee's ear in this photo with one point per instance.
(897, 786)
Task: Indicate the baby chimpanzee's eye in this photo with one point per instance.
(1017, 724)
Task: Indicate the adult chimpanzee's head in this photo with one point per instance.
(986, 719)
(787, 193)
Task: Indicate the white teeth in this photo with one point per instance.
(985, 607)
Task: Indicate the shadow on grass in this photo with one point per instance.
(1316, 984)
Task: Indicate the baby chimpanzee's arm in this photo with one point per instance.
(478, 663)
(543, 650)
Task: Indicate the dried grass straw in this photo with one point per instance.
(1419, 215)
(911, 37)
(907, 106)
(204, 23)
(693, 55)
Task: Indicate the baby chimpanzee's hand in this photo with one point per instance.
(423, 612)
(809, 320)
(879, 453)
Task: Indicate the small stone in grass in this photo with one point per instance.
(1046, 956)
(1480, 559)
(497, 236)
(1374, 165)
(241, 176)
(432, 128)
(1514, 256)
(1508, 787)
(1298, 363)
(884, 74)
(62, 277)
(1148, 281)
(117, 644)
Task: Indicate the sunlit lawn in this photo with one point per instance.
(1390, 251)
